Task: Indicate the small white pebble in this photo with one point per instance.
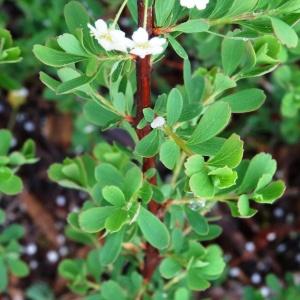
(63, 251)
(52, 256)
(235, 272)
(158, 122)
(265, 291)
(281, 248)
(256, 278)
(261, 266)
(61, 239)
(20, 118)
(33, 264)
(278, 212)
(61, 200)
(14, 142)
(29, 126)
(290, 218)
(271, 236)
(250, 247)
(31, 249)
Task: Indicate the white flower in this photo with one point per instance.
(142, 46)
(200, 4)
(110, 38)
(158, 122)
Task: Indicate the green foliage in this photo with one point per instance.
(10, 162)
(10, 252)
(192, 138)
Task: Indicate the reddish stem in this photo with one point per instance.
(144, 100)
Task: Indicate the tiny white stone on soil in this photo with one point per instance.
(265, 291)
(235, 272)
(31, 249)
(281, 248)
(278, 212)
(52, 256)
(250, 247)
(256, 278)
(61, 200)
(29, 126)
(271, 236)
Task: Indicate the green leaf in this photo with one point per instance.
(76, 16)
(208, 148)
(98, 115)
(240, 6)
(260, 165)
(18, 267)
(55, 58)
(245, 101)
(133, 181)
(93, 219)
(107, 174)
(192, 26)
(169, 268)
(5, 141)
(149, 145)
(215, 119)
(232, 54)
(285, 33)
(169, 154)
(112, 290)
(182, 294)
(154, 231)
(70, 44)
(174, 106)
(12, 186)
(223, 177)
(223, 83)
(49, 82)
(230, 154)
(197, 221)
(194, 164)
(113, 195)
(201, 185)
(243, 205)
(235, 211)
(2, 216)
(270, 193)
(3, 275)
(112, 248)
(116, 220)
(196, 281)
(177, 47)
(73, 84)
(163, 10)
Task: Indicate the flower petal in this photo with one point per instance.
(101, 26)
(142, 53)
(188, 3)
(140, 36)
(201, 4)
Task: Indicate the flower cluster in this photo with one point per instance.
(200, 4)
(113, 39)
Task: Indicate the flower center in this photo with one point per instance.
(144, 45)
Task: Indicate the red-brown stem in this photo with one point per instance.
(144, 100)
